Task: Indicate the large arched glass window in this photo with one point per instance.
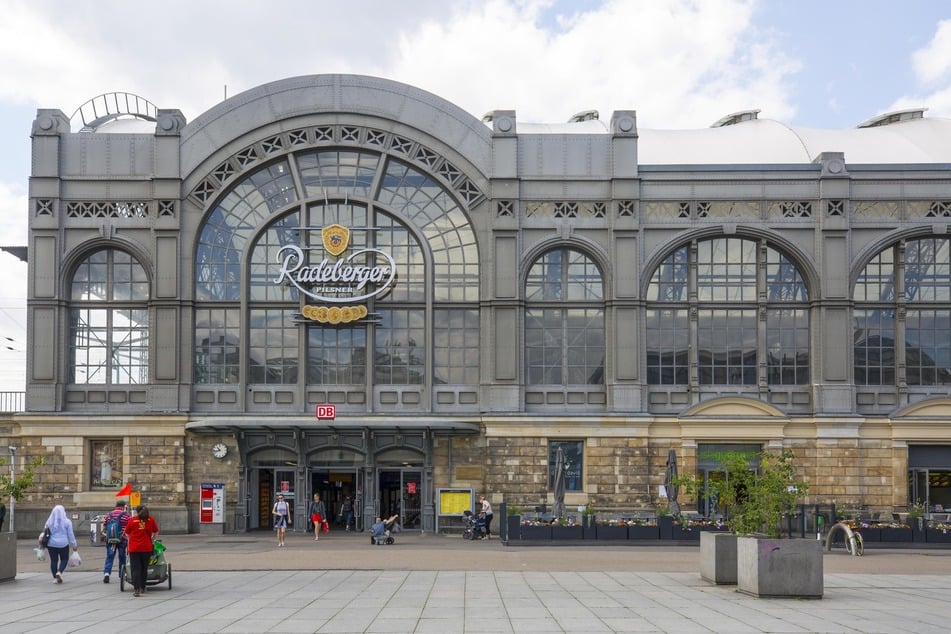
(424, 329)
(727, 284)
(564, 320)
(109, 320)
(902, 316)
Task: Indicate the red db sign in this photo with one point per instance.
(326, 412)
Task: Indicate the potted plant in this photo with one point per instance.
(13, 486)
(767, 566)
(610, 529)
(939, 532)
(643, 529)
(752, 555)
(564, 528)
(513, 518)
(534, 529)
(916, 518)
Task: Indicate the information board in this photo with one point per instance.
(452, 502)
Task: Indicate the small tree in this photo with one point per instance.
(15, 486)
(757, 500)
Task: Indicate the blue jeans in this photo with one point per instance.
(59, 557)
(111, 551)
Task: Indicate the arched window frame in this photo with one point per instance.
(564, 319)
(727, 310)
(901, 318)
(108, 337)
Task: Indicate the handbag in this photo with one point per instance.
(75, 560)
(326, 526)
(45, 537)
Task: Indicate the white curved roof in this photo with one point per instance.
(764, 141)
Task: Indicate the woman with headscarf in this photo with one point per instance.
(61, 538)
(140, 530)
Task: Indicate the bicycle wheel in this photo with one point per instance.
(859, 545)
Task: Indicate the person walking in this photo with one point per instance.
(346, 510)
(61, 538)
(487, 514)
(318, 514)
(113, 529)
(282, 517)
(140, 531)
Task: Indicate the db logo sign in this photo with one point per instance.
(326, 412)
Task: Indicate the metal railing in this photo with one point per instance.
(12, 402)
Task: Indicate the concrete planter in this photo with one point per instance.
(605, 531)
(536, 532)
(566, 532)
(8, 556)
(935, 536)
(685, 533)
(643, 532)
(718, 557)
(790, 568)
(896, 535)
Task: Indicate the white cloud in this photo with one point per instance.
(678, 62)
(933, 63)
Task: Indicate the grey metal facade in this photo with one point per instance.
(520, 194)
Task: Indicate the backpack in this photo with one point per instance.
(113, 530)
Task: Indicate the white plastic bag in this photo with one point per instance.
(40, 553)
(74, 560)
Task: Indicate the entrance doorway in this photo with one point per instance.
(334, 487)
(400, 491)
(270, 484)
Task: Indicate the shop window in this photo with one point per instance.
(574, 463)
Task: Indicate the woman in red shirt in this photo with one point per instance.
(140, 530)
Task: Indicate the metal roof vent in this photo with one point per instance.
(893, 117)
(585, 115)
(736, 117)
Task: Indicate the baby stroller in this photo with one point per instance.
(474, 525)
(159, 570)
(384, 538)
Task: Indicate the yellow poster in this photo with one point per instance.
(135, 499)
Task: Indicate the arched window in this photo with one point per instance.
(727, 284)
(109, 320)
(902, 316)
(423, 331)
(564, 320)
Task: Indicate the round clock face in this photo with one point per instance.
(220, 450)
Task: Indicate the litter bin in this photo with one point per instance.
(95, 536)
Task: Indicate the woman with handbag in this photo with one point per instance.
(318, 513)
(140, 531)
(61, 537)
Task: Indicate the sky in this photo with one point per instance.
(681, 64)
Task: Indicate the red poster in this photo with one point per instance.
(411, 488)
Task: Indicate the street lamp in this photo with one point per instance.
(13, 455)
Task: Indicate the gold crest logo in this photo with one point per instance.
(336, 239)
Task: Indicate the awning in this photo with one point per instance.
(232, 424)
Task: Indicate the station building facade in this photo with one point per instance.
(471, 294)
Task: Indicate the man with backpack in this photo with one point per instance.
(113, 526)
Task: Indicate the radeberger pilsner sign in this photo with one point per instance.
(342, 280)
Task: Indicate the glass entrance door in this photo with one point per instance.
(400, 495)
